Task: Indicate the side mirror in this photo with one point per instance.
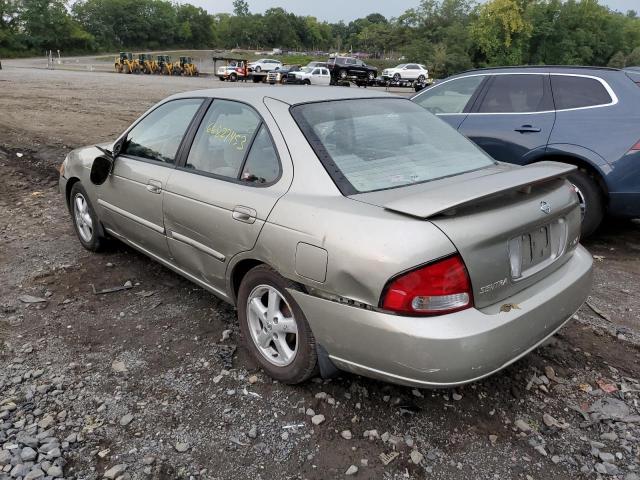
(101, 169)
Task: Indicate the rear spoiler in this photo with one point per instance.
(442, 198)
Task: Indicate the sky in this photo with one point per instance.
(347, 10)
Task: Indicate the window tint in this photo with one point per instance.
(351, 61)
(158, 135)
(515, 94)
(375, 144)
(412, 67)
(316, 72)
(451, 96)
(223, 138)
(262, 164)
(576, 92)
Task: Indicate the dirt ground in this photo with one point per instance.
(143, 383)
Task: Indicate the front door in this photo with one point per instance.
(131, 199)
(218, 199)
(513, 117)
(451, 100)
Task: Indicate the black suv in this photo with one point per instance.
(347, 68)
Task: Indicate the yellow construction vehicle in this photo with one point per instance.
(188, 67)
(147, 64)
(126, 64)
(168, 68)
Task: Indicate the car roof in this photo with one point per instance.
(541, 68)
(291, 94)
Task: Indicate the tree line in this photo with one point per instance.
(446, 35)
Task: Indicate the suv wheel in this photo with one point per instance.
(258, 69)
(421, 78)
(342, 74)
(396, 77)
(591, 200)
(273, 327)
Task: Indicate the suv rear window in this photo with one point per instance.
(376, 144)
(578, 92)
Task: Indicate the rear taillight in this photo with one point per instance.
(635, 148)
(435, 289)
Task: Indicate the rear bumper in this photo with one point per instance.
(454, 349)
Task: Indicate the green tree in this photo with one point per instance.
(240, 8)
(501, 32)
(48, 26)
(195, 27)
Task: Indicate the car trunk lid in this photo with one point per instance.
(511, 225)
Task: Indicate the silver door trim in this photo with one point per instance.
(172, 266)
(198, 246)
(131, 216)
(605, 84)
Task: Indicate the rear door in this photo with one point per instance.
(513, 118)
(451, 100)
(221, 193)
(131, 198)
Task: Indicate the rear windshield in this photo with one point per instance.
(376, 144)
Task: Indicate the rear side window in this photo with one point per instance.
(451, 96)
(578, 92)
(223, 139)
(262, 165)
(158, 135)
(515, 94)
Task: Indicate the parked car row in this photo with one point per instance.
(587, 117)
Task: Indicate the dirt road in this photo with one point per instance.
(144, 383)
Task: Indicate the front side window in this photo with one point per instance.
(223, 139)
(515, 94)
(451, 96)
(374, 144)
(578, 92)
(158, 135)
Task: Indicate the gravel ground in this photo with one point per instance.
(153, 382)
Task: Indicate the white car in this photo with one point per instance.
(406, 71)
(265, 65)
(313, 76)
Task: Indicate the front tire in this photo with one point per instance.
(274, 328)
(396, 77)
(85, 221)
(591, 200)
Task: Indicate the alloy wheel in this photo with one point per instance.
(581, 200)
(83, 217)
(273, 328)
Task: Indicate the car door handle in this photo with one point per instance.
(528, 129)
(154, 186)
(244, 214)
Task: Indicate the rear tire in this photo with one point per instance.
(591, 200)
(84, 218)
(257, 287)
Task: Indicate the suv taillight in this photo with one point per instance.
(435, 289)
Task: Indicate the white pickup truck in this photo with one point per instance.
(313, 76)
